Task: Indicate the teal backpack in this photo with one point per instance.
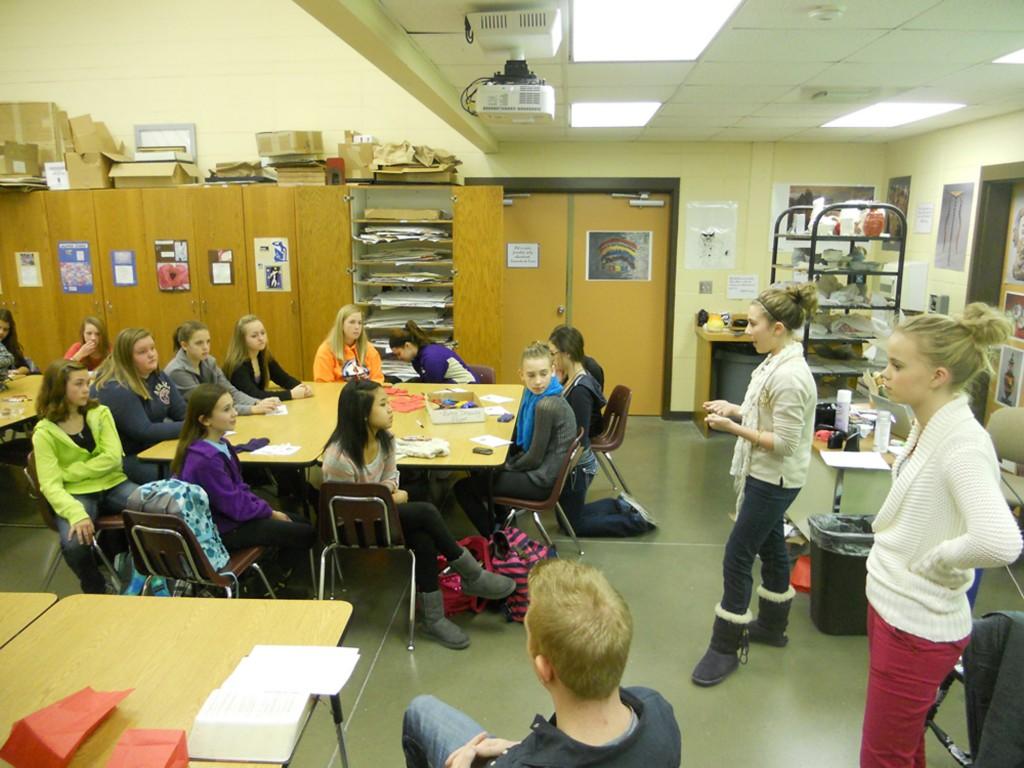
(191, 504)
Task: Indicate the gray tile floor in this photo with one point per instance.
(798, 706)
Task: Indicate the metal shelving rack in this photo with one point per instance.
(816, 267)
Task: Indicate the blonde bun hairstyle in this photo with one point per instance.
(790, 305)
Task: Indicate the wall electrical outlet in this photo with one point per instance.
(938, 303)
(705, 286)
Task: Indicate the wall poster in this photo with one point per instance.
(898, 195)
(123, 264)
(273, 269)
(172, 265)
(221, 267)
(1011, 361)
(954, 217)
(1015, 242)
(75, 262)
(711, 235)
(1013, 306)
(619, 255)
(29, 273)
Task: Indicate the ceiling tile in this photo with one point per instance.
(788, 45)
(904, 74)
(940, 47)
(697, 121)
(985, 77)
(453, 49)
(754, 73)
(604, 134)
(649, 73)
(754, 134)
(636, 92)
(833, 135)
(793, 14)
(789, 121)
(707, 109)
(447, 15)
(678, 134)
(822, 111)
(986, 15)
(717, 94)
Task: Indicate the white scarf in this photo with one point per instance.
(757, 394)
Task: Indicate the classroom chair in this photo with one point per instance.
(484, 373)
(361, 516)
(165, 546)
(616, 412)
(551, 502)
(1005, 427)
(101, 524)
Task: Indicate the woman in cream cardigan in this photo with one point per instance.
(774, 427)
(943, 517)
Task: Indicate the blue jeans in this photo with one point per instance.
(758, 531)
(574, 494)
(79, 557)
(432, 730)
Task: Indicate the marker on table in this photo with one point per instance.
(420, 424)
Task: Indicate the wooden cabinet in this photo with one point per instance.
(477, 233)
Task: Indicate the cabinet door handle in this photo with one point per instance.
(292, 305)
(110, 307)
(203, 304)
(561, 309)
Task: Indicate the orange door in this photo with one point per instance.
(622, 320)
(534, 297)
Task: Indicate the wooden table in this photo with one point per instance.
(172, 651)
(19, 609)
(308, 424)
(702, 389)
(459, 435)
(23, 387)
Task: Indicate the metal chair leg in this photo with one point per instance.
(339, 731)
(263, 578)
(323, 571)
(618, 474)
(107, 564)
(412, 603)
(51, 569)
(561, 516)
(312, 569)
(542, 529)
(607, 472)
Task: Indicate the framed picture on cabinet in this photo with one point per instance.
(172, 265)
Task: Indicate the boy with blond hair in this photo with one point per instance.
(578, 631)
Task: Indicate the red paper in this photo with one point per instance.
(801, 577)
(407, 403)
(150, 748)
(395, 391)
(49, 737)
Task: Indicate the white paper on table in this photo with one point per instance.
(496, 410)
(490, 441)
(456, 389)
(310, 669)
(496, 399)
(281, 410)
(854, 459)
(280, 449)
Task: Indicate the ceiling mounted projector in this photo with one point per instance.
(515, 95)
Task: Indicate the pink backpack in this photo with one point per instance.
(513, 554)
(450, 583)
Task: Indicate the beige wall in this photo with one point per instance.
(235, 67)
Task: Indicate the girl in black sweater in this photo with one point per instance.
(251, 368)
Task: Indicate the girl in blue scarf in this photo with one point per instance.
(545, 430)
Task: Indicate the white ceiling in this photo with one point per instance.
(772, 73)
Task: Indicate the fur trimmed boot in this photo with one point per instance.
(478, 582)
(435, 625)
(772, 617)
(727, 649)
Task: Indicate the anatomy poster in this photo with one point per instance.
(172, 265)
(711, 235)
(273, 265)
(619, 255)
(951, 244)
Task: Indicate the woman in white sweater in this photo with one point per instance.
(769, 466)
(943, 517)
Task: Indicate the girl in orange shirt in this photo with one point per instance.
(347, 354)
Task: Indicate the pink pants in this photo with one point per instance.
(905, 674)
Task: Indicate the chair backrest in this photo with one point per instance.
(615, 415)
(45, 510)
(359, 515)
(572, 456)
(1005, 426)
(484, 373)
(164, 545)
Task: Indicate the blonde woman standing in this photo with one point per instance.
(774, 428)
(347, 354)
(944, 516)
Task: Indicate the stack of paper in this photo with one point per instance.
(401, 232)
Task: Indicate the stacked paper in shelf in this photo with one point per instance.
(396, 233)
(407, 255)
(402, 297)
(425, 318)
(407, 277)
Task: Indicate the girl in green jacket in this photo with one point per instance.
(78, 460)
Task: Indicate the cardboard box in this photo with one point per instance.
(142, 175)
(418, 174)
(34, 122)
(403, 214)
(90, 136)
(301, 175)
(19, 159)
(91, 170)
(440, 415)
(358, 156)
(276, 143)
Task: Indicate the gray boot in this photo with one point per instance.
(772, 617)
(435, 625)
(478, 582)
(727, 650)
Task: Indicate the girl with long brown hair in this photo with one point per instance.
(253, 369)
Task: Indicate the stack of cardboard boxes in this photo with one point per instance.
(31, 135)
(296, 156)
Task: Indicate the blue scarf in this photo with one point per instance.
(524, 421)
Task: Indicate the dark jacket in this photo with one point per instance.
(655, 743)
(554, 429)
(586, 400)
(594, 369)
(245, 380)
(144, 423)
(993, 671)
(231, 501)
(437, 364)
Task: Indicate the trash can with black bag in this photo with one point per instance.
(839, 553)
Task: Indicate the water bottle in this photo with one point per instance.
(882, 426)
(843, 398)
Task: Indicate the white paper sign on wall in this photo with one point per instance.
(522, 255)
(741, 287)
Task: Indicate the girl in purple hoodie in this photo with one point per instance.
(435, 363)
(205, 458)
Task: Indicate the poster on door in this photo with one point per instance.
(1015, 245)
(619, 255)
(1008, 380)
(172, 265)
(955, 215)
(75, 267)
(273, 267)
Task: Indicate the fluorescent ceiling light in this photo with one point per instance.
(888, 114)
(611, 114)
(1017, 57)
(646, 30)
